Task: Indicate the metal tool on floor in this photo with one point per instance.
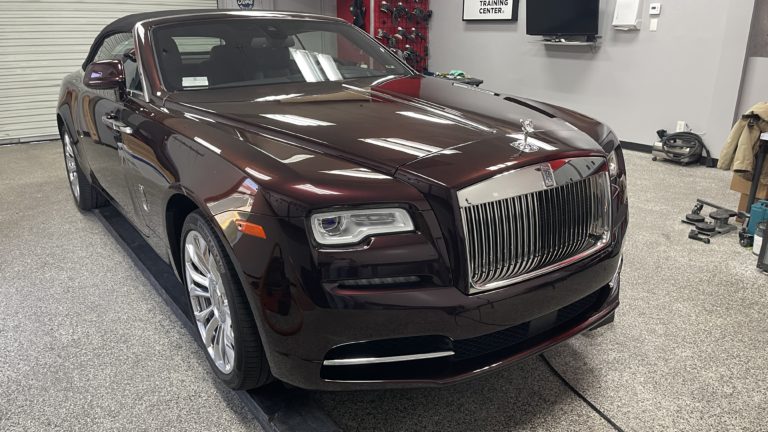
(695, 216)
(721, 220)
(705, 230)
(694, 235)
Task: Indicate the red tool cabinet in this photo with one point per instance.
(399, 24)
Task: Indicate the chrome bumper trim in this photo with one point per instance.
(393, 359)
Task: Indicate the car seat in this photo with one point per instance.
(227, 64)
(169, 59)
(272, 56)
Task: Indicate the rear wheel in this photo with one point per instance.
(86, 196)
(220, 309)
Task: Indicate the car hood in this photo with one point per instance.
(431, 127)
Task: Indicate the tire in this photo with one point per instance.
(86, 195)
(233, 346)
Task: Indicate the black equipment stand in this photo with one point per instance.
(762, 151)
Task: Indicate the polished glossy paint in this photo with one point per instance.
(270, 156)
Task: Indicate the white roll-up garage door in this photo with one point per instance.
(41, 41)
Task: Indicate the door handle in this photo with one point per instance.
(111, 121)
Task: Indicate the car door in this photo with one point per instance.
(141, 150)
(102, 133)
(144, 162)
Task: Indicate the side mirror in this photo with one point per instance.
(104, 75)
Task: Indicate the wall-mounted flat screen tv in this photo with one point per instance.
(562, 17)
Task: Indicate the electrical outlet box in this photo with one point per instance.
(655, 9)
(627, 15)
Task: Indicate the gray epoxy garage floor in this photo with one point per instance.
(87, 344)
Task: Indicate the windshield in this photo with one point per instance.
(248, 52)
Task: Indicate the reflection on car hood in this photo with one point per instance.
(391, 122)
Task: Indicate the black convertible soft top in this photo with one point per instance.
(128, 22)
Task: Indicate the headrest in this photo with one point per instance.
(221, 50)
(266, 42)
(169, 49)
(170, 61)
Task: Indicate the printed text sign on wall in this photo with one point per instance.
(491, 10)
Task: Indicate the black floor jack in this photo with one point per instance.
(704, 230)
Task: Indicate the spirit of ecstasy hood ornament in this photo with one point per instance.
(523, 144)
(527, 127)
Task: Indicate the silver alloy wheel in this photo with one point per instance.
(209, 301)
(69, 159)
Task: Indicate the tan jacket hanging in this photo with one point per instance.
(741, 147)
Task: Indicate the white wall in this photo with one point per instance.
(758, 37)
(754, 88)
(637, 82)
(323, 7)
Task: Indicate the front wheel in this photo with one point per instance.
(220, 309)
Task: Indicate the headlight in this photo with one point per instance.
(611, 141)
(613, 164)
(348, 227)
(614, 169)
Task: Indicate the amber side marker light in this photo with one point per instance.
(251, 229)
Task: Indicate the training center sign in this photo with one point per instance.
(491, 10)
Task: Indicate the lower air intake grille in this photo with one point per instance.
(509, 337)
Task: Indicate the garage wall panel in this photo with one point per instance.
(41, 41)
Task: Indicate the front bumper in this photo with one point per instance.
(300, 337)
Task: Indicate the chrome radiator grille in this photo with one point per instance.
(516, 238)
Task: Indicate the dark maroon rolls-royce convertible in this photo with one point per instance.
(339, 220)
